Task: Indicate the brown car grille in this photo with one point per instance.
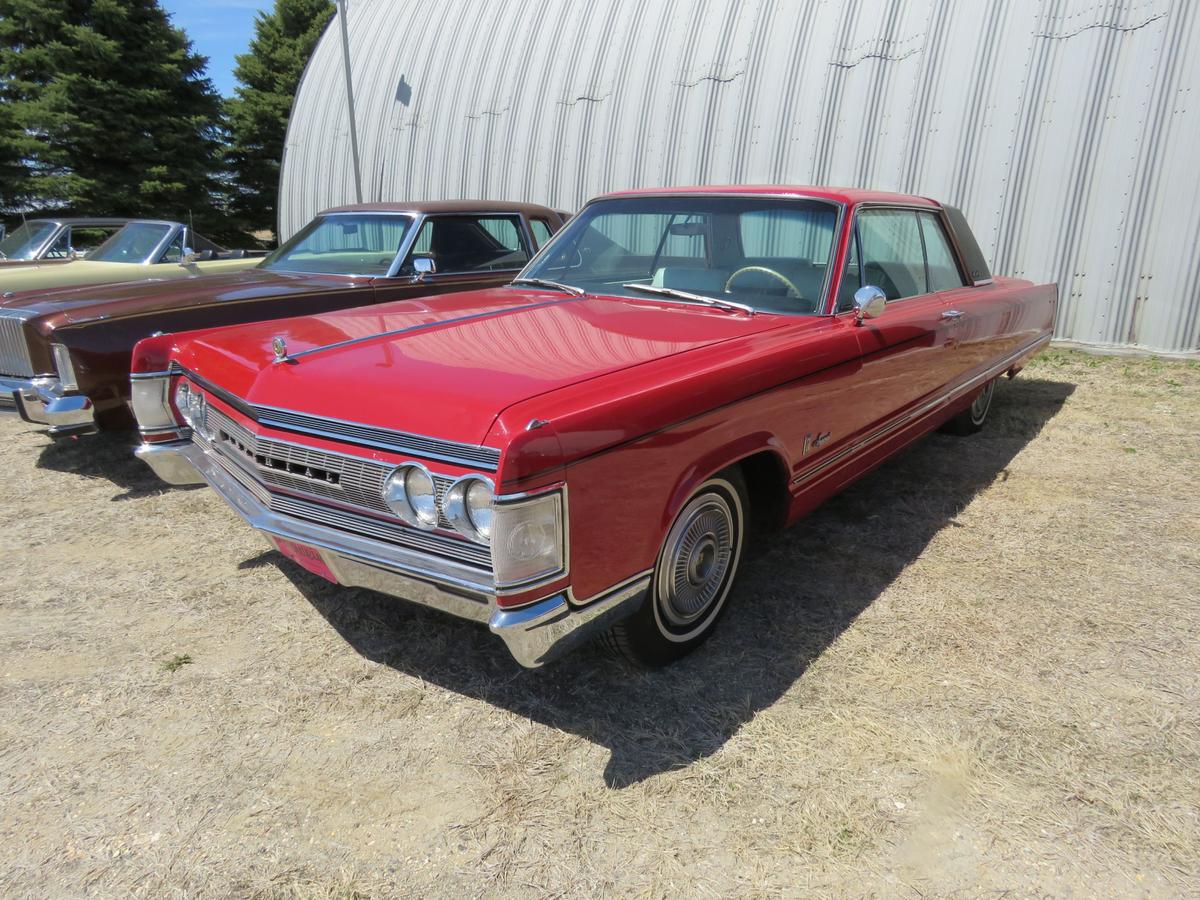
(261, 464)
(14, 349)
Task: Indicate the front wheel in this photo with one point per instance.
(971, 420)
(695, 569)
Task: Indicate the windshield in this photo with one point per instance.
(768, 254)
(25, 241)
(343, 244)
(132, 244)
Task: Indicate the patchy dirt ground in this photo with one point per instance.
(976, 671)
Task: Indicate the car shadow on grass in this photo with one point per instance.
(797, 592)
(105, 454)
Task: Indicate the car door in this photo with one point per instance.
(468, 251)
(907, 350)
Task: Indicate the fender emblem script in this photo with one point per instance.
(815, 441)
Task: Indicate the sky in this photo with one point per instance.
(220, 30)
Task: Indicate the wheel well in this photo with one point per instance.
(766, 483)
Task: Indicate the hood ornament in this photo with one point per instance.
(280, 348)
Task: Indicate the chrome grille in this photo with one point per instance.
(400, 442)
(14, 349)
(260, 463)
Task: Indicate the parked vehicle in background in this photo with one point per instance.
(142, 249)
(589, 449)
(55, 240)
(65, 355)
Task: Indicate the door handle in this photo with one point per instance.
(952, 314)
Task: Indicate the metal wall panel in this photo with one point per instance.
(1065, 129)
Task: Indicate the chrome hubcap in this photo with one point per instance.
(699, 552)
(980, 407)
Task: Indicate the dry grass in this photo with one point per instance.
(975, 672)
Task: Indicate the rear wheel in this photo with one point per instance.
(971, 420)
(695, 570)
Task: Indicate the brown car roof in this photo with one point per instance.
(443, 206)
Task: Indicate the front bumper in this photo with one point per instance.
(42, 401)
(535, 634)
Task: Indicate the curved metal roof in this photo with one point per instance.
(1064, 129)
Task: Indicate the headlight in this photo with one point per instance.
(527, 540)
(410, 494)
(469, 508)
(193, 406)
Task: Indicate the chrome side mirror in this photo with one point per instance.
(869, 302)
(189, 257)
(423, 267)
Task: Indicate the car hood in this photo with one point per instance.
(107, 301)
(447, 366)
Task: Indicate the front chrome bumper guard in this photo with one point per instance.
(534, 634)
(42, 401)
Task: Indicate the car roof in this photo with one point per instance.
(848, 196)
(441, 206)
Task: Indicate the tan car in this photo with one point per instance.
(142, 250)
(56, 240)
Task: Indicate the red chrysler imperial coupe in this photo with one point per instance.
(588, 449)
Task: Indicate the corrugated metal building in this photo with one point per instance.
(1067, 130)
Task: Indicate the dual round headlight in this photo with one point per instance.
(193, 406)
(469, 508)
(411, 494)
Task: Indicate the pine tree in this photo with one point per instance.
(257, 116)
(109, 111)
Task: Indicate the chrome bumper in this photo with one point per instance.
(42, 401)
(535, 634)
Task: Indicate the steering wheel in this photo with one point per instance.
(778, 276)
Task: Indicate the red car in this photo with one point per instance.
(589, 448)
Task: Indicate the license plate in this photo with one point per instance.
(307, 557)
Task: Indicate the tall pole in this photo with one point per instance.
(350, 100)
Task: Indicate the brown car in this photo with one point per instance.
(65, 354)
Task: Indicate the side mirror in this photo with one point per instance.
(869, 302)
(188, 257)
(423, 266)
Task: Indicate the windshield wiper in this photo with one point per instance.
(730, 305)
(551, 285)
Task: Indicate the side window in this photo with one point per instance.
(541, 231)
(943, 270)
(470, 244)
(892, 256)
(174, 251)
(61, 248)
(851, 277)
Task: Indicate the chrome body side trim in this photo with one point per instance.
(534, 634)
(899, 422)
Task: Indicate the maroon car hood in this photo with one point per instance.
(107, 301)
(448, 366)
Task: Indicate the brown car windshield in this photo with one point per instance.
(769, 254)
(343, 244)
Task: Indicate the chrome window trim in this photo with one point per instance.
(406, 246)
(937, 210)
(827, 284)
